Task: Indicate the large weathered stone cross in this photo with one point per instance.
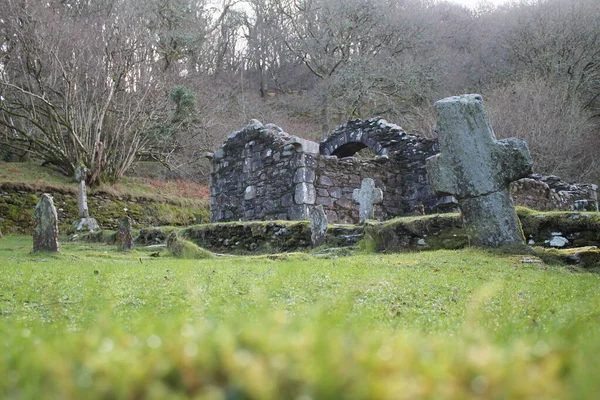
(366, 197)
(476, 168)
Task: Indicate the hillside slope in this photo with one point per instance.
(148, 202)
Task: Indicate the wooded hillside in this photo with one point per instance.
(108, 82)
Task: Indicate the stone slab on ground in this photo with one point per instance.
(86, 224)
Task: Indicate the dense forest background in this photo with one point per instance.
(106, 83)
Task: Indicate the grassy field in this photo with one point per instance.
(92, 323)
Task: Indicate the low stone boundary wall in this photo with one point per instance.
(445, 231)
(429, 232)
(266, 237)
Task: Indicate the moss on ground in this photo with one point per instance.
(181, 248)
(445, 231)
(430, 232)
(584, 257)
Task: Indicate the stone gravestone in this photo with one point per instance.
(45, 231)
(125, 235)
(318, 225)
(86, 222)
(476, 168)
(367, 196)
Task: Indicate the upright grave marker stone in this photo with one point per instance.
(318, 225)
(477, 169)
(367, 196)
(125, 235)
(45, 231)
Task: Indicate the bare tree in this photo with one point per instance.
(75, 88)
(106, 82)
(366, 56)
(561, 137)
(560, 41)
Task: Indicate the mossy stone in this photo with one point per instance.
(181, 248)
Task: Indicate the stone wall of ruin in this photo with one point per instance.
(547, 193)
(262, 173)
(405, 190)
(398, 170)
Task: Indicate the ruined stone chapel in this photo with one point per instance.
(263, 173)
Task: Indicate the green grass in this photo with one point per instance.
(92, 322)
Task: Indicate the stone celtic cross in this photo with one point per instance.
(367, 196)
(476, 168)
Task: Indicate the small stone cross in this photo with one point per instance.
(476, 168)
(367, 196)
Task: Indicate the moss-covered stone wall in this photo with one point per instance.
(445, 231)
(266, 236)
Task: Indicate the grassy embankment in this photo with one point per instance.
(92, 322)
(148, 202)
(32, 174)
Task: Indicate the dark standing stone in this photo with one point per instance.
(477, 169)
(45, 232)
(125, 236)
(593, 193)
(318, 225)
(367, 196)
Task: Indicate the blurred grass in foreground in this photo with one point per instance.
(91, 322)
